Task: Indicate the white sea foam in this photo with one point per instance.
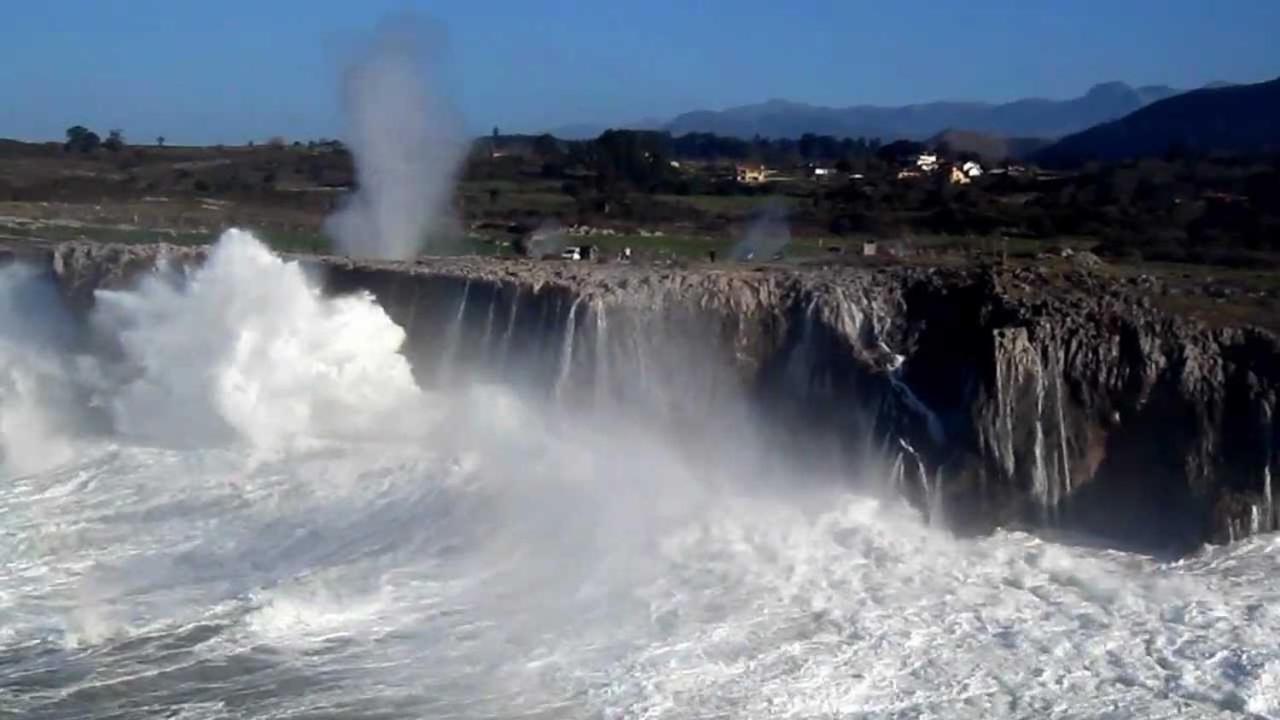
(247, 348)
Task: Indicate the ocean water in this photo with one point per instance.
(249, 509)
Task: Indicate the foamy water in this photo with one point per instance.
(268, 551)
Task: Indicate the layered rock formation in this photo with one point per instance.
(994, 397)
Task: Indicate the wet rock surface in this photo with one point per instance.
(995, 396)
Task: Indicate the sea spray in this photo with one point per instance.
(766, 236)
(562, 568)
(249, 349)
(40, 380)
(407, 141)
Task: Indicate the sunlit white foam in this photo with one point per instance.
(303, 615)
(248, 348)
(514, 560)
(1264, 696)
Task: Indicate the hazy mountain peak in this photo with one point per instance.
(1113, 88)
(778, 117)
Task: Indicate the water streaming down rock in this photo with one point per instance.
(909, 398)
(514, 553)
(453, 337)
(1042, 489)
(486, 340)
(1267, 502)
(1086, 410)
(504, 353)
(566, 351)
(1060, 400)
(928, 492)
(600, 362)
(1029, 412)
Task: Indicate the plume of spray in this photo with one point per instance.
(547, 239)
(767, 235)
(41, 406)
(407, 141)
(248, 349)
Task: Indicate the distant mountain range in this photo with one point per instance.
(1020, 118)
(1236, 118)
(1034, 117)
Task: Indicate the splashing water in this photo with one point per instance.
(213, 362)
(766, 236)
(37, 406)
(407, 141)
(516, 562)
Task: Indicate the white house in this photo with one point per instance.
(751, 174)
(928, 162)
(820, 172)
(971, 168)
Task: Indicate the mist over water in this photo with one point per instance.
(37, 403)
(278, 521)
(407, 140)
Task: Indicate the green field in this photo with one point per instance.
(736, 206)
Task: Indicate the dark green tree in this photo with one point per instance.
(115, 140)
(81, 139)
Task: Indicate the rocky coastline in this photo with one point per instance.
(1059, 400)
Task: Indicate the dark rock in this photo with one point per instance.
(1079, 407)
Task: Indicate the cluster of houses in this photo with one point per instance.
(755, 173)
(923, 165)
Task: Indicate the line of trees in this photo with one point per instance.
(82, 139)
(643, 160)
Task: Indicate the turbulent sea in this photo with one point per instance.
(248, 508)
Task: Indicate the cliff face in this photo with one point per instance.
(993, 397)
(1089, 410)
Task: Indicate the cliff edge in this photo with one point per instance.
(1049, 398)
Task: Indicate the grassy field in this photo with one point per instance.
(1215, 296)
(281, 240)
(735, 206)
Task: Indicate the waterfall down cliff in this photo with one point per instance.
(244, 485)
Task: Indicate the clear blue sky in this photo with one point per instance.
(233, 70)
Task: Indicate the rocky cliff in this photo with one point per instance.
(994, 397)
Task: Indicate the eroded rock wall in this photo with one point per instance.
(995, 397)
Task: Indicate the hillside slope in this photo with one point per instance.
(1239, 118)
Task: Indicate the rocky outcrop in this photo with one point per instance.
(994, 397)
(1091, 411)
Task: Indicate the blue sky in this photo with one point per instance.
(233, 70)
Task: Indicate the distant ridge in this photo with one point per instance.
(1020, 118)
(1227, 118)
(1022, 123)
